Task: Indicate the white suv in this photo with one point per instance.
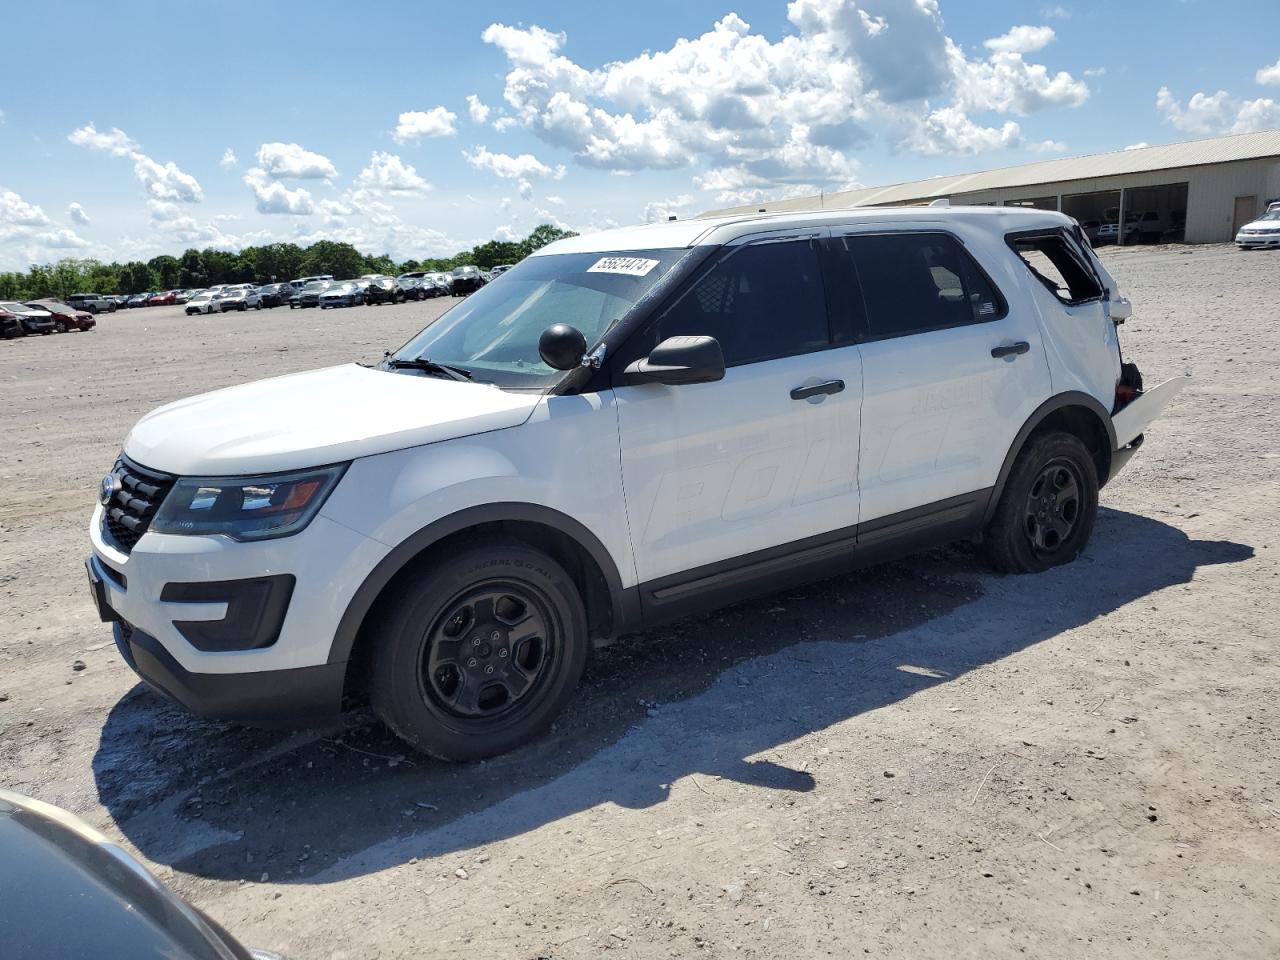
(631, 426)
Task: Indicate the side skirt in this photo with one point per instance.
(813, 558)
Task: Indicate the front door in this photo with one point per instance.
(768, 455)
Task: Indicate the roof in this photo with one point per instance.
(724, 229)
(1189, 153)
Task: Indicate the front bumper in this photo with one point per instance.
(223, 627)
(1251, 240)
(305, 696)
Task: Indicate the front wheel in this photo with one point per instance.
(1048, 507)
(478, 653)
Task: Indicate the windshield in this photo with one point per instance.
(14, 307)
(494, 332)
(1271, 214)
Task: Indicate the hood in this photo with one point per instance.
(318, 417)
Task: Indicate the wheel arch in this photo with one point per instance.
(1073, 412)
(611, 608)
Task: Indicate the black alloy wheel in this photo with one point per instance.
(1047, 508)
(1053, 506)
(488, 651)
(477, 653)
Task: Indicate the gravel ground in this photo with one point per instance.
(922, 759)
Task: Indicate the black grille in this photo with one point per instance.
(128, 514)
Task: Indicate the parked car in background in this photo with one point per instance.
(68, 891)
(444, 281)
(121, 299)
(65, 317)
(384, 290)
(347, 293)
(309, 295)
(1109, 232)
(141, 299)
(204, 303)
(466, 280)
(11, 324)
(275, 294)
(34, 319)
(91, 303)
(164, 298)
(413, 287)
(303, 281)
(500, 269)
(1263, 232)
(240, 298)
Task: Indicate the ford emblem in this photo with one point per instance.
(109, 487)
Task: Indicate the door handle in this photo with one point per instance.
(817, 390)
(1011, 349)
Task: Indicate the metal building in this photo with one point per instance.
(1199, 191)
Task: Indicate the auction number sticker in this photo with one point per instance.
(628, 266)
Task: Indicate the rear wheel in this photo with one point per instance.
(1047, 511)
(59, 327)
(479, 653)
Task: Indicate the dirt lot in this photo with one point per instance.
(919, 760)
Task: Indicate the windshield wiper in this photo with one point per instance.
(427, 366)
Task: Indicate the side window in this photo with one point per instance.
(1056, 264)
(761, 301)
(909, 283)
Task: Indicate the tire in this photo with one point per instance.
(258, 307)
(59, 327)
(243, 307)
(521, 646)
(1047, 510)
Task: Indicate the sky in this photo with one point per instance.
(419, 129)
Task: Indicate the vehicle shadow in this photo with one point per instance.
(705, 696)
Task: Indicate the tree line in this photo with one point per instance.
(275, 262)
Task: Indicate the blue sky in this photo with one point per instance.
(417, 130)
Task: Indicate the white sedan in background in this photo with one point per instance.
(1263, 232)
(204, 303)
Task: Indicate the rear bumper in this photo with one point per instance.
(300, 697)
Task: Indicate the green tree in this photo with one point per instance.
(191, 270)
(342, 260)
(165, 270)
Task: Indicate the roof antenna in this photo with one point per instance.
(761, 210)
(671, 217)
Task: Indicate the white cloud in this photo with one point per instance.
(504, 165)
(416, 124)
(28, 235)
(1056, 13)
(114, 141)
(1219, 113)
(388, 172)
(662, 209)
(162, 181)
(1268, 76)
(1021, 39)
(558, 201)
(1138, 146)
(1048, 146)
(1095, 71)
(229, 160)
(77, 215)
(781, 113)
(272, 196)
(14, 211)
(478, 110)
(525, 189)
(289, 160)
(507, 234)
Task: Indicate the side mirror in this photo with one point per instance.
(678, 360)
(562, 346)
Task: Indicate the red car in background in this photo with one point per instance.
(65, 318)
(165, 298)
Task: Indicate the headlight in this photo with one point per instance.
(246, 508)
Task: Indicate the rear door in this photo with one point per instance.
(950, 372)
(764, 458)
